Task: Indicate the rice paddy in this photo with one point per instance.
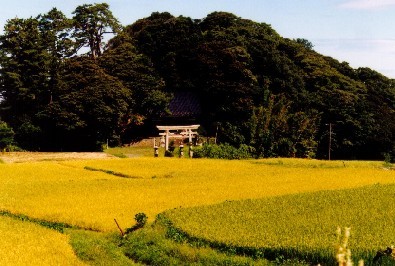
(301, 225)
(24, 243)
(71, 192)
(65, 191)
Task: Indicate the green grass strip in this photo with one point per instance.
(150, 246)
(95, 248)
(110, 172)
(57, 226)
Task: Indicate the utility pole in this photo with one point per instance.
(216, 134)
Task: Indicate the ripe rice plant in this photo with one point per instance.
(301, 225)
(23, 243)
(66, 192)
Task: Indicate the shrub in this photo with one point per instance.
(387, 160)
(13, 148)
(223, 151)
(169, 154)
(6, 135)
(141, 219)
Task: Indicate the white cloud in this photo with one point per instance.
(367, 4)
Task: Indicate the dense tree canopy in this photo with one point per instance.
(91, 22)
(256, 88)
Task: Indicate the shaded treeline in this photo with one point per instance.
(256, 88)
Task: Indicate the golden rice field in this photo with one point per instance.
(70, 192)
(301, 225)
(24, 243)
(66, 192)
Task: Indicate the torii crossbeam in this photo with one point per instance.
(178, 132)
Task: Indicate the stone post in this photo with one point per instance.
(181, 150)
(190, 150)
(156, 151)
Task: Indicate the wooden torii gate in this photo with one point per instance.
(177, 132)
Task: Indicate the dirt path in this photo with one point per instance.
(19, 157)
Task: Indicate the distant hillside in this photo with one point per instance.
(273, 93)
(252, 86)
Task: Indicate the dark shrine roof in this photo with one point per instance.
(185, 104)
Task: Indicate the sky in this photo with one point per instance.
(359, 32)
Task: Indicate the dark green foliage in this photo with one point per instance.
(255, 88)
(6, 135)
(147, 95)
(277, 132)
(223, 151)
(169, 153)
(91, 22)
(388, 160)
(141, 220)
(58, 226)
(22, 71)
(110, 172)
(88, 108)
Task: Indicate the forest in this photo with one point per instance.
(66, 86)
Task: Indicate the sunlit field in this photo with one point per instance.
(24, 243)
(66, 191)
(301, 225)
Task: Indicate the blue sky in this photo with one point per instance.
(359, 32)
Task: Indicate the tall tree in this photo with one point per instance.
(91, 22)
(23, 70)
(171, 43)
(275, 131)
(55, 30)
(31, 53)
(88, 109)
(148, 96)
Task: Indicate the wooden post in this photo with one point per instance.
(167, 140)
(120, 229)
(190, 135)
(162, 141)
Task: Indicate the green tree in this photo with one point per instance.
(89, 108)
(170, 43)
(23, 71)
(31, 52)
(6, 135)
(148, 98)
(55, 30)
(378, 120)
(137, 74)
(91, 22)
(275, 131)
(306, 43)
